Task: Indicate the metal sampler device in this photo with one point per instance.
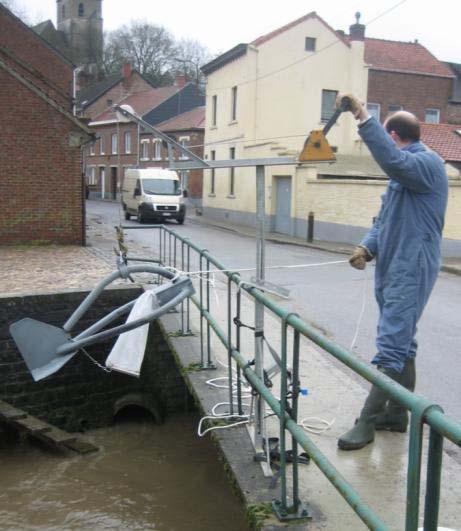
(46, 348)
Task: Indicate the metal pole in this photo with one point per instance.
(259, 308)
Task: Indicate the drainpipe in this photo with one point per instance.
(76, 72)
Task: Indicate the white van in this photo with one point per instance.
(153, 194)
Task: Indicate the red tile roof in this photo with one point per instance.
(141, 102)
(193, 119)
(312, 14)
(443, 139)
(408, 57)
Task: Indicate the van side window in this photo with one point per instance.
(137, 188)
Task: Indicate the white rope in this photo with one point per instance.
(362, 311)
(242, 270)
(223, 427)
(316, 425)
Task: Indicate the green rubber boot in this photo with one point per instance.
(395, 416)
(363, 432)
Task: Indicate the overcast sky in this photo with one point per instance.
(221, 25)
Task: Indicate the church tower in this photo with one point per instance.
(81, 23)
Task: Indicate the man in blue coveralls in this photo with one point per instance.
(405, 242)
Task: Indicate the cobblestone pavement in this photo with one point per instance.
(50, 268)
(44, 269)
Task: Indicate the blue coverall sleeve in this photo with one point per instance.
(411, 170)
(370, 241)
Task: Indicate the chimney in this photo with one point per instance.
(357, 30)
(181, 80)
(126, 70)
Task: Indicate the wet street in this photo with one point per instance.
(144, 477)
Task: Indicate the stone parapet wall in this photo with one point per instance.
(81, 395)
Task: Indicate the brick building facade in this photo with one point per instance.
(405, 75)
(97, 98)
(422, 95)
(177, 110)
(41, 182)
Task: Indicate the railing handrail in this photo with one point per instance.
(422, 410)
(436, 419)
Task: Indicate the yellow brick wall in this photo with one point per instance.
(357, 202)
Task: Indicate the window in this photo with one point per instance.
(157, 149)
(183, 140)
(394, 108)
(374, 109)
(309, 44)
(101, 145)
(114, 144)
(91, 175)
(144, 149)
(63, 12)
(92, 148)
(184, 176)
(212, 181)
(127, 142)
(234, 104)
(432, 116)
(232, 173)
(328, 104)
(81, 9)
(214, 110)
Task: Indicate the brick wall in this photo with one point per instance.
(413, 92)
(81, 395)
(36, 60)
(40, 174)
(113, 164)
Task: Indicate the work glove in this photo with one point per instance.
(359, 258)
(349, 102)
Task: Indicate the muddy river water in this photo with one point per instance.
(145, 476)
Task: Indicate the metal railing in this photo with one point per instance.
(177, 252)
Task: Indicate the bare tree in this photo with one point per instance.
(190, 56)
(150, 49)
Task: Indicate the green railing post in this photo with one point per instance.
(283, 408)
(418, 413)
(237, 342)
(434, 472)
(294, 416)
(209, 363)
(229, 343)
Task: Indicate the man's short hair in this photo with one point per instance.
(405, 124)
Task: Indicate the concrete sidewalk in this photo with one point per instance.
(449, 264)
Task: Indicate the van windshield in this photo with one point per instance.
(161, 186)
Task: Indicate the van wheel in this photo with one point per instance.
(180, 220)
(127, 216)
(140, 217)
